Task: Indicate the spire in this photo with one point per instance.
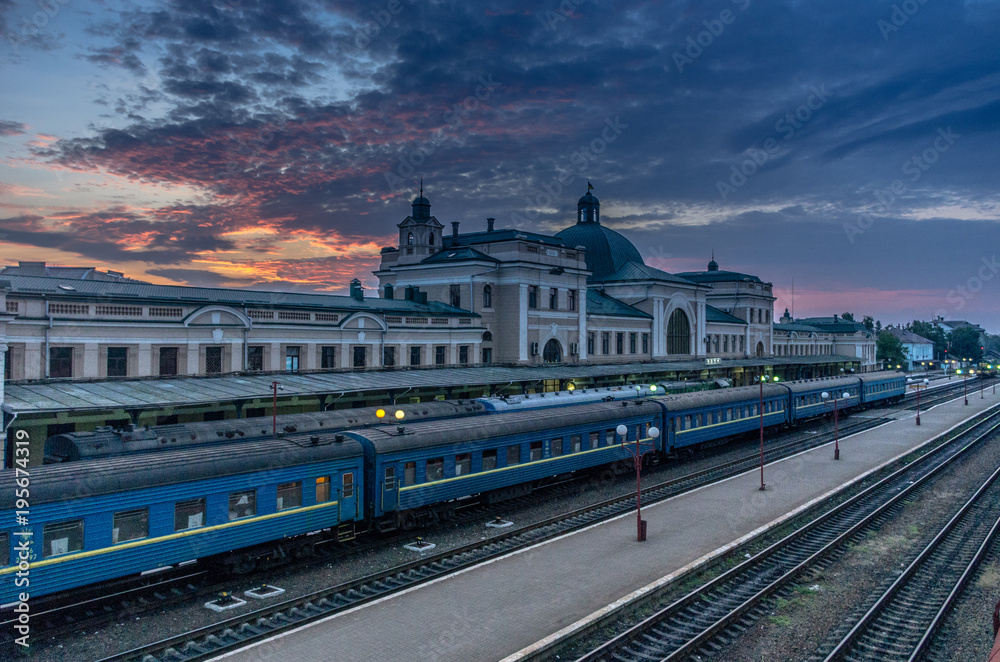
(713, 265)
(421, 187)
(421, 205)
(588, 208)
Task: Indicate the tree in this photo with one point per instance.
(869, 322)
(965, 344)
(878, 326)
(933, 333)
(848, 316)
(888, 348)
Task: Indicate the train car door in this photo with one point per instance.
(348, 497)
(390, 490)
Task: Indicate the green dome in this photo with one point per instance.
(607, 251)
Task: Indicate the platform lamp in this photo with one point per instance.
(836, 432)
(965, 387)
(761, 379)
(916, 386)
(637, 454)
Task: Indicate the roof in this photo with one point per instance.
(834, 324)
(640, 271)
(73, 273)
(713, 314)
(599, 303)
(136, 292)
(718, 276)
(797, 327)
(607, 250)
(907, 336)
(151, 393)
(499, 235)
(960, 324)
(461, 254)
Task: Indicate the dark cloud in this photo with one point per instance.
(8, 128)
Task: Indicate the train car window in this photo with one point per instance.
(687, 422)
(62, 538)
(535, 451)
(242, 504)
(575, 443)
(289, 495)
(322, 489)
(595, 440)
(348, 484)
(435, 469)
(513, 455)
(410, 473)
(556, 447)
(610, 436)
(4, 548)
(130, 525)
(390, 478)
(463, 464)
(189, 514)
(489, 460)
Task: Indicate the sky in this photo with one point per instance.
(844, 150)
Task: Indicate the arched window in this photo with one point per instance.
(409, 238)
(552, 352)
(678, 333)
(431, 240)
(487, 296)
(487, 336)
(760, 350)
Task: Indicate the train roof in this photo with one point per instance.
(63, 482)
(716, 397)
(822, 383)
(430, 434)
(880, 376)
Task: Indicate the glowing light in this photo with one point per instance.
(400, 414)
(380, 413)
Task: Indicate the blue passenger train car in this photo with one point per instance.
(878, 387)
(417, 472)
(96, 521)
(806, 397)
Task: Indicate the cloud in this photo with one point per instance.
(8, 128)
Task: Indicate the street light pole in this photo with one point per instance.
(836, 431)
(916, 387)
(761, 380)
(653, 432)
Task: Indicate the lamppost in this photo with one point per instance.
(637, 454)
(761, 379)
(274, 408)
(965, 387)
(836, 432)
(916, 387)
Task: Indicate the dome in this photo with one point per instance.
(607, 251)
(588, 199)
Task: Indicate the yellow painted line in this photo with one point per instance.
(173, 536)
(519, 466)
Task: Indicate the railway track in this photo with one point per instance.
(708, 617)
(246, 628)
(903, 621)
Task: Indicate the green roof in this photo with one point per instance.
(713, 314)
(599, 303)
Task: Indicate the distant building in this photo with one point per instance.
(919, 350)
(818, 336)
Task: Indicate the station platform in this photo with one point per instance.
(502, 609)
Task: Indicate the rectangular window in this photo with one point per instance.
(8, 366)
(556, 447)
(595, 440)
(575, 443)
(571, 300)
(414, 356)
(117, 361)
(435, 469)
(553, 299)
(590, 343)
(605, 342)
(409, 473)
(463, 464)
(360, 357)
(535, 451)
(213, 360)
(168, 360)
(60, 362)
(255, 357)
(62, 538)
(532, 297)
(463, 354)
(289, 496)
(725, 343)
(348, 485)
(322, 489)
(189, 514)
(687, 422)
(633, 343)
(4, 549)
(242, 504)
(513, 455)
(611, 436)
(645, 343)
(439, 354)
(456, 296)
(489, 460)
(130, 525)
(328, 356)
(487, 355)
(292, 359)
(388, 356)
(620, 343)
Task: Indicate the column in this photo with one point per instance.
(581, 306)
(192, 359)
(522, 324)
(144, 367)
(91, 359)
